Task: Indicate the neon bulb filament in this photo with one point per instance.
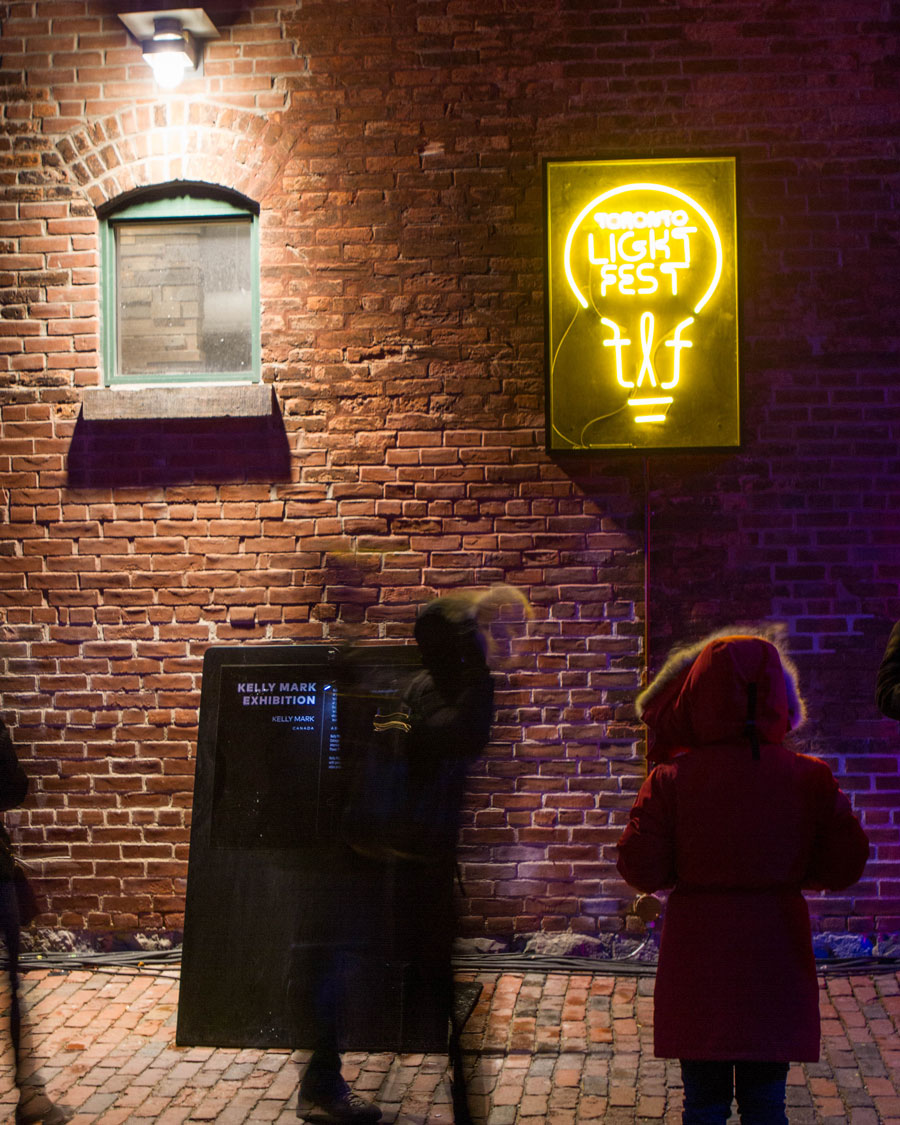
(677, 344)
(647, 324)
(618, 342)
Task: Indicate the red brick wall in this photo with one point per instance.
(395, 149)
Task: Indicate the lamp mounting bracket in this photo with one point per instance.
(195, 20)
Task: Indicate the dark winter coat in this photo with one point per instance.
(450, 724)
(736, 824)
(13, 779)
(13, 787)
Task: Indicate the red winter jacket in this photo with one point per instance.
(737, 824)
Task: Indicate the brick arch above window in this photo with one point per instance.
(142, 146)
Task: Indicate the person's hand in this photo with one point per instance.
(647, 908)
(470, 650)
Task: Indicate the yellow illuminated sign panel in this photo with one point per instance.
(641, 304)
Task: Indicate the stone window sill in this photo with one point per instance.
(122, 404)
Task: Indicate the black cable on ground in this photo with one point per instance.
(151, 959)
(156, 959)
(542, 963)
(865, 966)
(536, 963)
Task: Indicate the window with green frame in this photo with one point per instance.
(180, 288)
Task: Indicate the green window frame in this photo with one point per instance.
(186, 218)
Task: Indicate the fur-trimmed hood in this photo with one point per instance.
(737, 684)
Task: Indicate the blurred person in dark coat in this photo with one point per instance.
(33, 1104)
(445, 716)
(737, 824)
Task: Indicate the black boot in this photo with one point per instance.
(35, 1106)
(333, 1102)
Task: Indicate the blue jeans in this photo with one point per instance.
(710, 1088)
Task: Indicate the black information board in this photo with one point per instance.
(279, 911)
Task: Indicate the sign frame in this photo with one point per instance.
(269, 913)
(651, 283)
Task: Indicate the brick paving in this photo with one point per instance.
(567, 1048)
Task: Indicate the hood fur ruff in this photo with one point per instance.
(696, 701)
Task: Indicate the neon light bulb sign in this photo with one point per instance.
(641, 304)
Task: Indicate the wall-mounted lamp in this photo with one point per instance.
(171, 41)
(170, 52)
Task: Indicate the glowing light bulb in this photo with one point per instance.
(168, 68)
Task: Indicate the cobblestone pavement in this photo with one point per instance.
(567, 1048)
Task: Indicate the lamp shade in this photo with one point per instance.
(170, 52)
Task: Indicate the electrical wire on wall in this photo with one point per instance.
(645, 672)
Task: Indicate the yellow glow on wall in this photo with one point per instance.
(641, 299)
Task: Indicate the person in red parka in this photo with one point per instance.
(737, 825)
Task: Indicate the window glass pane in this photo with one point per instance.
(183, 297)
